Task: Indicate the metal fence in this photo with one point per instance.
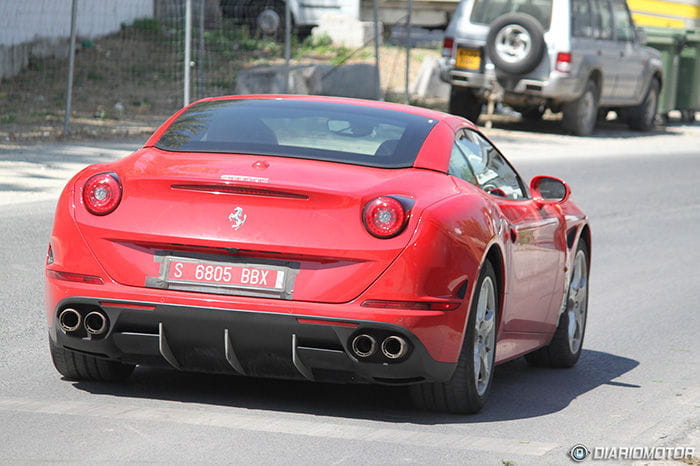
(137, 68)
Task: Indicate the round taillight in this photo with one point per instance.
(102, 193)
(384, 217)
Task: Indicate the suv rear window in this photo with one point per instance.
(486, 11)
(301, 129)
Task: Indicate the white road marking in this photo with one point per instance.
(262, 423)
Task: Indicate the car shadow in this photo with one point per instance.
(519, 392)
(18, 187)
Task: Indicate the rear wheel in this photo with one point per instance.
(78, 366)
(465, 103)
(469, 386)
(565, 348)
(643, 117)
(581, 114)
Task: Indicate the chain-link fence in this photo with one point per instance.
(129, 65)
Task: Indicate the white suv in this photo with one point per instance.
(581, 57)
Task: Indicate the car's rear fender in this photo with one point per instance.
(68, 250)
(442, 261)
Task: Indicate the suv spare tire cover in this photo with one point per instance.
(515, 43)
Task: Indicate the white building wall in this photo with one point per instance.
(29, 20)
(42, 27)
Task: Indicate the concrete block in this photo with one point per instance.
(14, 58)
(428, 85)
(353, 80)
(356, 80)
(346, 31)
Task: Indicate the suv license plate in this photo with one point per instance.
(469, 59)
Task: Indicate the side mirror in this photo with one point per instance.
(549, 190)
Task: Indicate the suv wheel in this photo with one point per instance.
(515, 43)
(581, 114)
(465, 103)
(642, 117)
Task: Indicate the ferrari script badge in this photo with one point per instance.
(237, 218)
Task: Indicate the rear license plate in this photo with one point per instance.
(217, 274)
(469, 59)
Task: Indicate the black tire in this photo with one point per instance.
(515, 43)
(643, 116)
(274, 7)
(580, 115)
(465, 103)
(688, 116)
(559, 352)
(78, 366)
(463, 393)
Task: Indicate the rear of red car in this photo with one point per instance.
(267, 237)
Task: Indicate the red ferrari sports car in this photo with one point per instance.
(317, 238)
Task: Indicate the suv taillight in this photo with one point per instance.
(563, 62)
(447, 44)
(384, 217)
(102, 193)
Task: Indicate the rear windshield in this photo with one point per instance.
(486, 11)
(301, 129)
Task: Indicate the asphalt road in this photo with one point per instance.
(637, 383)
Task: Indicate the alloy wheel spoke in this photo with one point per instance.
(576, 304)
(484, 335)
(486, 325)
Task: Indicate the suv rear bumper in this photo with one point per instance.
(559, 87)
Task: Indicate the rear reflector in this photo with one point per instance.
(447, 44)
(74, 277)
(413, 305)
(144, 307)
(326, 322)
(232, 189)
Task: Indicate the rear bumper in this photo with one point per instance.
(252, 343)
(558, 87)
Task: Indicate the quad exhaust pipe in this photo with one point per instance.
(364, 345)
(69, 320)
(95, 323)
(394, 347)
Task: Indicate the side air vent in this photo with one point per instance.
(244, 190)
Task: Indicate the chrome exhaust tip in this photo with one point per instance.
(95, 323)
(69, 320)
(394, 347)
(364, 345)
